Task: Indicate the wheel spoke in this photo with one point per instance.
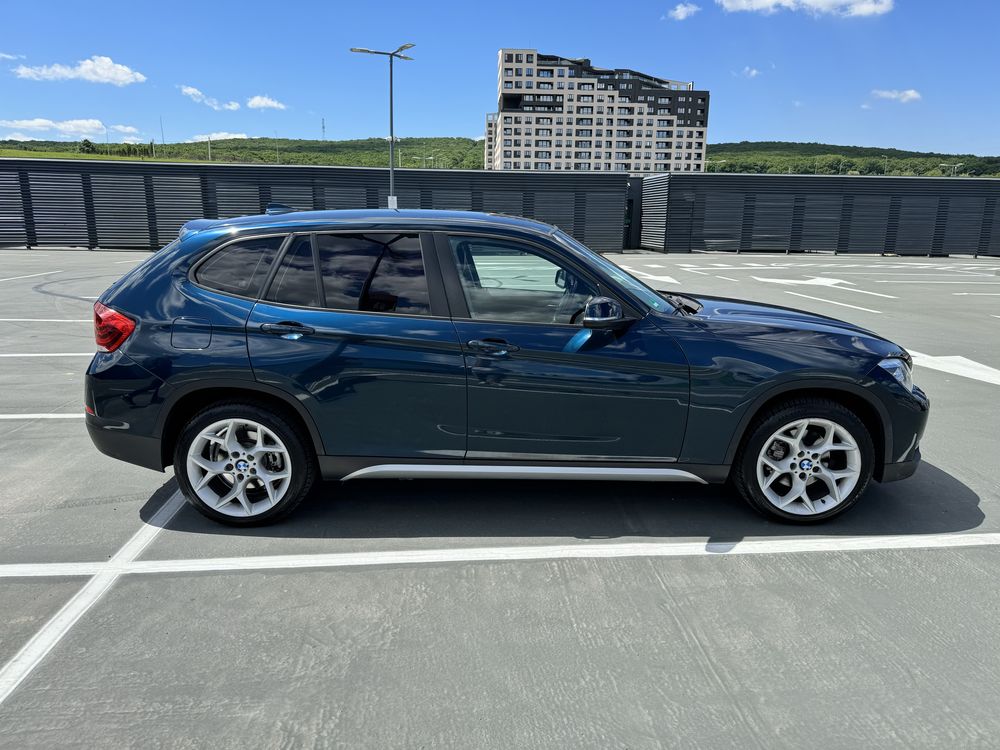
(244, 500)
(228, 497)
(806, 501)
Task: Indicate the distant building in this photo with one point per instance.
(558, 113)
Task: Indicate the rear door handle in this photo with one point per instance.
(288, 329)
(496, 347)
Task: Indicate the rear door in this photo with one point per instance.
(356, 326)
(541, 386)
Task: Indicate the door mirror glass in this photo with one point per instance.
(560, 280)
(603, 312)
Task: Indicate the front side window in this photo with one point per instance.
(241, 267)
(510, 282)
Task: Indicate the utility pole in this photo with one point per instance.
(277, 160)
(323, 126)
(163, 140)
(210, 148)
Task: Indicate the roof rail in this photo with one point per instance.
(278, 208)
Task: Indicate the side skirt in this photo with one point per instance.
(488, 471)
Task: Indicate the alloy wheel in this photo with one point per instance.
(239, 467)
(809, 466)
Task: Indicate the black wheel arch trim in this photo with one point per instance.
(805, 388)
(182, 391)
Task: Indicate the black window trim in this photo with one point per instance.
(456, 293)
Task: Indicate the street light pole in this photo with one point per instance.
(393, 203)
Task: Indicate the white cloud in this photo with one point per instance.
(9, 56)
(749, 72)
(851, 8)
(97, 69)
(797, 104)
(220, 136)
(18, 137)
(902, 96)
(133, 139)
(262, 101)
(209, 101)
(124, 129)
(78, 128)
(866, 106)
(682, 11)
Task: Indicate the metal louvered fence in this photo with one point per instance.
(806, 213)
(106, 204)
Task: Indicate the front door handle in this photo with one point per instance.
(288, 329)
(496, 347)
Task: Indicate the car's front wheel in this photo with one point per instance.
(804, 461)
(243, 464)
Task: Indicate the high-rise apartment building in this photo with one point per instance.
(559, 113)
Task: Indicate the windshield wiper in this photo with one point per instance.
(686, 305)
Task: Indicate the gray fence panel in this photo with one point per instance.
(684, 212)
(143, 204)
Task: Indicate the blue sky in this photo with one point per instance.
(914, 74)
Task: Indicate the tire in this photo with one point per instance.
(780, 475)
(257, 457)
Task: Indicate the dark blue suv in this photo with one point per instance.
(260, 353)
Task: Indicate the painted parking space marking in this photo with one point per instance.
(830, 283)
(23, 417)
(833, 302)
(30, 275)
(46, 354)
(42, 642)
(46, 320)
(955, 365)
(126, 565)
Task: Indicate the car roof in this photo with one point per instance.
(304, 220)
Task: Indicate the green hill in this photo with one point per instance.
(448, 153)
(777, 157)
(759, 157)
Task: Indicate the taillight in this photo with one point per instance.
(111, 328)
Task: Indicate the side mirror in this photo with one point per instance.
(604, 312)
(560, 280)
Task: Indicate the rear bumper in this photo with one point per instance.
(113, 438)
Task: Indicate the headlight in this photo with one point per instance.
(900, 370)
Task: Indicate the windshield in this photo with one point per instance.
(645, 294)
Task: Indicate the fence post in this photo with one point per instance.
(88, 210)
(27, 209)
(151, 222)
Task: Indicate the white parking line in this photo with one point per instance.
(35, 650)
(976, 294)
(967, 283)
(832, 302)
(46, 320)
(49, 354)
(865, 291)
(30, 275)
(574, 551)
(74, 415)
(725, 278)
(956, 365)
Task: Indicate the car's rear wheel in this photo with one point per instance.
(804, 461)
(243, 464)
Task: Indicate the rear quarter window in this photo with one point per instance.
(241, 267)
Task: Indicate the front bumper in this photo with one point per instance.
(901, 470)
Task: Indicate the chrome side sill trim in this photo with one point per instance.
(472, 471)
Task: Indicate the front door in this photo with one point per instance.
(541, 386)
(356, 327)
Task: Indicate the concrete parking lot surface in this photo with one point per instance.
(518, 614)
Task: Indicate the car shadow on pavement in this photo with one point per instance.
(931, 502)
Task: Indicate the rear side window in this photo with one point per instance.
(240, 268)
(373, 273)
(296, 282)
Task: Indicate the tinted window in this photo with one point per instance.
(240, 268)
(295, 281)
(373, 272)
(506, 281)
